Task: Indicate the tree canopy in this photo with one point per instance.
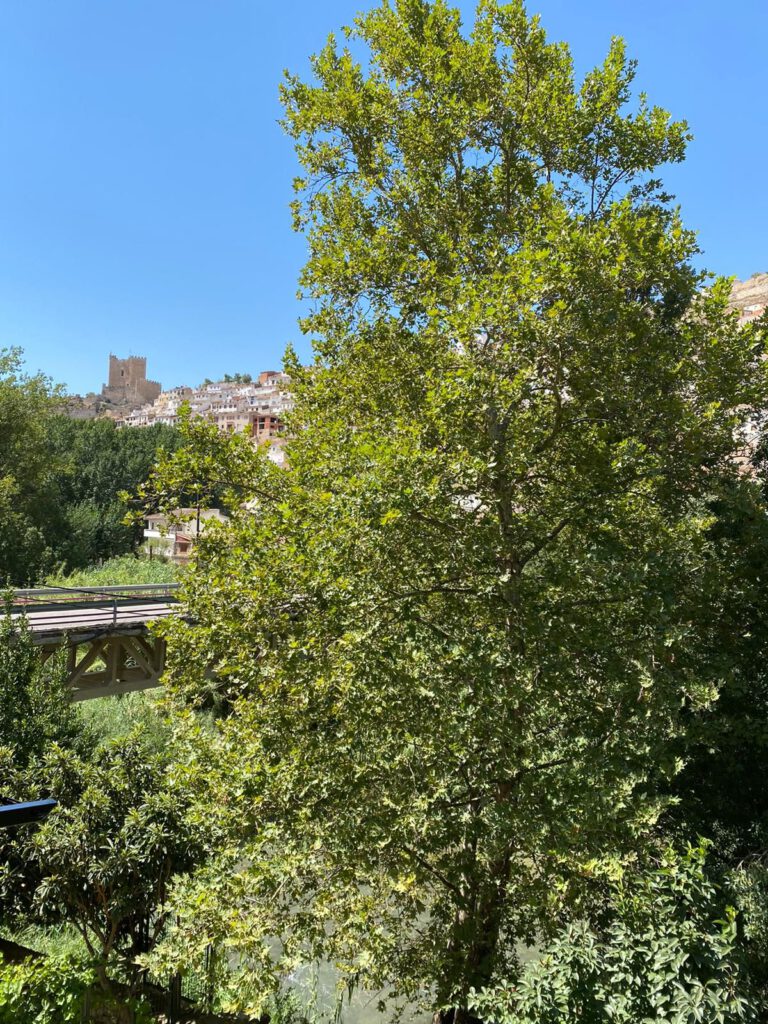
(98, 462)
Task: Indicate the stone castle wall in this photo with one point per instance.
(128, 382)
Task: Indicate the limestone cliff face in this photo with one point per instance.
(750, 297)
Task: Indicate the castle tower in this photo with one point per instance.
(127, 382)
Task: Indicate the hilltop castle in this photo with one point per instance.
(128, 382)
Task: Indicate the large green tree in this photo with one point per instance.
(460, 638)
(26, 403)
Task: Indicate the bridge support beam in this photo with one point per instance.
(108, 665)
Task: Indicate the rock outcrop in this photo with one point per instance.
(750, 297)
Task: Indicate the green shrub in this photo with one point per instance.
(666, 951)
(49, 990)
(35, 710)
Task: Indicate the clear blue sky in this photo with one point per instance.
(144, 180)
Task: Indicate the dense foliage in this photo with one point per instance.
(97, 463)
(124, 569)
(720, 792)
(44, 991)
(463, 640)
(35, 710)
(26, 402)
(664, 951)
(101, 862)
(104, 857)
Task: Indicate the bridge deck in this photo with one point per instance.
(98, 617)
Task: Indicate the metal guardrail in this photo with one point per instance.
(129, 589)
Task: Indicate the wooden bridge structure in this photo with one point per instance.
(105, 631)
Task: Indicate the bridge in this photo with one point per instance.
(105, 631)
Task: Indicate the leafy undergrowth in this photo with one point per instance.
(114, 718)
(51, 940)
(122, 570)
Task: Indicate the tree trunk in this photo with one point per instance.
(472, 958)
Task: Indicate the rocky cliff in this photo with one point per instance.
(750, 297)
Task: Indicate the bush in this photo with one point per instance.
(103, 859)
(35, 710)
(48, 990)
(665, 952)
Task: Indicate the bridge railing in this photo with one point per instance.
(33, 595)
(27, 601)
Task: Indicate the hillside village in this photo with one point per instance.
(750, 297)
(235, 404)
(240, 403)
(256, 407)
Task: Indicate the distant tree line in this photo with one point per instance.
(231, 378)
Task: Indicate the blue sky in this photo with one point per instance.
(144, 181)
